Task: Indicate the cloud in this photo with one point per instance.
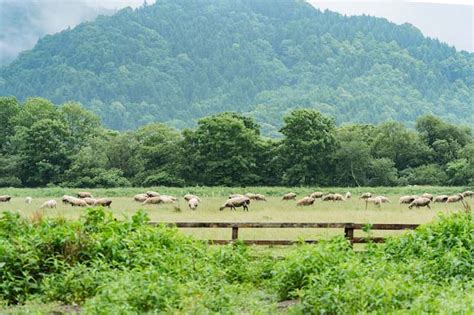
(22, 23)
(448, 21)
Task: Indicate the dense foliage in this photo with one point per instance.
(107, 266)
(175, 61)
(42, 144)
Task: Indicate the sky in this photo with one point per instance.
(450, 21)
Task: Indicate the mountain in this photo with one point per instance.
(178, 60)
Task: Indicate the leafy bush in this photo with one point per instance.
(115, 267)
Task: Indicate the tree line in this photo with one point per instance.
(42, 144)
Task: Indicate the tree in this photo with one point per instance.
(88, 169)
(81, 123)
(382, 172)
(160, 152)
(307, 148)
(9, 108)
(393, 141)
(221, 151)
(43, 152)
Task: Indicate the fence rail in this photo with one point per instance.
(349, 229)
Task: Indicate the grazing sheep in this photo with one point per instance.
(365, 195)
(152, 200)
(152, 194)
(383, 199)
(28, 200)
(159, 200)
(140, 197)
(468, 193)
(407, 199)
(105, 202)
(76, 202)
(441, 198)
(235, 196)
(329, 197)
(348, 195)
(306, 201)
(84, 194)
(235, 203)
(165, 197)
(193, 203)
(49, 204)
(257, 197)
(5, 198)
(189, 197)
(427, 195)
(89, 201)
(455, 198)
(289, 196)
(338, 197)
(67, 199)
(420, 202)
(375, 200)
(317, 194)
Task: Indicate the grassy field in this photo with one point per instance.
(273, 210)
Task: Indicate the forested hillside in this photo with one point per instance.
(175, 61)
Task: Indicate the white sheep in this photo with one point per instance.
(49, 204)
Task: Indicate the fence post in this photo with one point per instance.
(235, 233)
(349, 233)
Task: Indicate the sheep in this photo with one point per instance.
(105, 202)
(375, 200)
(165, 197)
(189, 197)
(5, 198)
(407, 199)
(420, 202)
(84, 194)
(67, 199)
(140, 197)
(152, 200)
(235, 203)
(348, 195)
(441, 198)
(159, 200)
(338, 197)
(289, 196)
(193, 203)
(316, 194)
(329, 197)
(49, 204)
(76, 202)
(455, 198)
(383, 199)
(427, 195)
(89, 201)
(28, 200)
(152, 194)
(235, 196)
(306, 201)
(468, 193)
(365, 195)
(257, 197)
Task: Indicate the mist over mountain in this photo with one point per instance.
(23, 22)
(176, 61)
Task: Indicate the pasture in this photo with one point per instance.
(272, 210)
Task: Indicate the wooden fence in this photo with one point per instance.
(349, 229)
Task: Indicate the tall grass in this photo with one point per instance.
(114, 267)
